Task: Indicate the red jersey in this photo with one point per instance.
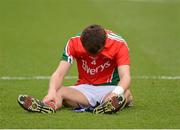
(102, 68)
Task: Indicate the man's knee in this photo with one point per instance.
(62, 92)
(71, 96)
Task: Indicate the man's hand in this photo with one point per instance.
(115, 93)
(51, 96)
(110, 96)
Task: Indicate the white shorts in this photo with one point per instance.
(94, 94)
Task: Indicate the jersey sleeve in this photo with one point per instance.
(122, 56)
(68, 54)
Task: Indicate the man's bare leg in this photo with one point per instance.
(70, 97)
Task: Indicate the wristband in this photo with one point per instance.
(118, 90)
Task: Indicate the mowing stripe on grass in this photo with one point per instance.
(143, 77)
(153, 1)
(143, 1)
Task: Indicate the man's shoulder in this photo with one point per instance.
(112, 36)
(75, 45)
(76, 36)
(114, 43)
(75, 40)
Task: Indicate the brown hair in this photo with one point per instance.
(93, 38)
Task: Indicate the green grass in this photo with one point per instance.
(34, 32)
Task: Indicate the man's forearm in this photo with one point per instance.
(123, 85)
(55, 82)
(125, 82)
(57, 77)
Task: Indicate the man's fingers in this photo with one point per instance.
(46, 99)
(110, 96)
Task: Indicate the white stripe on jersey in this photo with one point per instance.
(110, 79)
(116, 37)
(70, 58)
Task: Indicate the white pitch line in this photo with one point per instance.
(143, 77)
(32, 77)
(157, 77)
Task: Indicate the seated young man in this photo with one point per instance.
(103, 65)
